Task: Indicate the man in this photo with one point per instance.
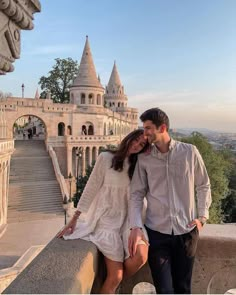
(168, 176)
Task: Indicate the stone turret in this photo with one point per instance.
(115, 96)
(86, 90)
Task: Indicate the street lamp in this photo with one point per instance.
(70, 181)
(23, 89)
(65, 206)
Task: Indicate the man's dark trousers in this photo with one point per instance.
(171, 259)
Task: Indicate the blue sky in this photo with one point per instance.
(179, 55)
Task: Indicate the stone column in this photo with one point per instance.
(1, 194)
(83, 162)
(69, 160)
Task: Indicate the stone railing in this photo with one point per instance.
(6, 145)
(59, 176)
(7, 275)
(76, 266)
(104, 139)
(15, 15)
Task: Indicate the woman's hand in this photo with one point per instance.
(69, 228)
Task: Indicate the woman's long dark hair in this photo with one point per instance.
(121, 153)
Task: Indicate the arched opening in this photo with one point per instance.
(90, 130)
(90, 97)
(61, 129)
(69, 130)
(87, 158)
(94, 154)
(29, 127)
(82, 98)
(84, 130)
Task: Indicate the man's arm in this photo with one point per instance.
(203, 188)
(138, 191)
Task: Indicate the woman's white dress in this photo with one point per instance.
(104, 204)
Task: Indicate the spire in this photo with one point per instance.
(115, 78)
(37, 94)
(114, 85)
(87, 73)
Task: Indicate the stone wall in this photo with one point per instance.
(62, 159)
(77, 267)
(6, 149)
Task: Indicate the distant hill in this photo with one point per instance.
(188, 131)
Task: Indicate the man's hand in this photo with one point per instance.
(198, 222)
(136, 234)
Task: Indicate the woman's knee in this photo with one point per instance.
(114, 279)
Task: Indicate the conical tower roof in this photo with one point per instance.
(37, 96)
(114, 87)
(87, 74)
(115, 78)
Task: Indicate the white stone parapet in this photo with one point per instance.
(92, 138)
(6, 146)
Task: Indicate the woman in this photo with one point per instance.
(105, 202)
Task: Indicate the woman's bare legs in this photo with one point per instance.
(132, 265)
(114, 276)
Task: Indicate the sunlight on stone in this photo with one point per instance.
(144, 288)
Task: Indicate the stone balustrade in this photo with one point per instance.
(76, 266)
(104, 139)
(6, 146)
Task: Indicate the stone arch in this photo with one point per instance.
(61, 129)
(36, 125)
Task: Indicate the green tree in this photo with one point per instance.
(82, 180)
(218, 167)
(59, 80)
(229, 203)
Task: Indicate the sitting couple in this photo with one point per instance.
(148, 163)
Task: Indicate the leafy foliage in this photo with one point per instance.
(81, 183)
(59, 79)
(219, 167)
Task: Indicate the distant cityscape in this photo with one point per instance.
(219, 140)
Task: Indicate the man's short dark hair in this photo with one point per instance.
(157, 116)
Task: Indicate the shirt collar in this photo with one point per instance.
(171, 146)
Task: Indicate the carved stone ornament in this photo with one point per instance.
(15, 15)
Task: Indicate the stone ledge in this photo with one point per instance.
(75, 266)
(63, 267)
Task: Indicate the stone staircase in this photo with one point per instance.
(34, 193)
